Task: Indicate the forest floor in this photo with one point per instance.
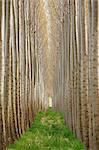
(48, 132)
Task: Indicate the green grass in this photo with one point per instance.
(48, 132)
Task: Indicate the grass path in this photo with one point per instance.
(48, 132)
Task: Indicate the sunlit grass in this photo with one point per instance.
(48, 132)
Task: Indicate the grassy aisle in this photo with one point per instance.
(48, 132)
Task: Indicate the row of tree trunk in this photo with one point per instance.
(76, 86)
(22, 86)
